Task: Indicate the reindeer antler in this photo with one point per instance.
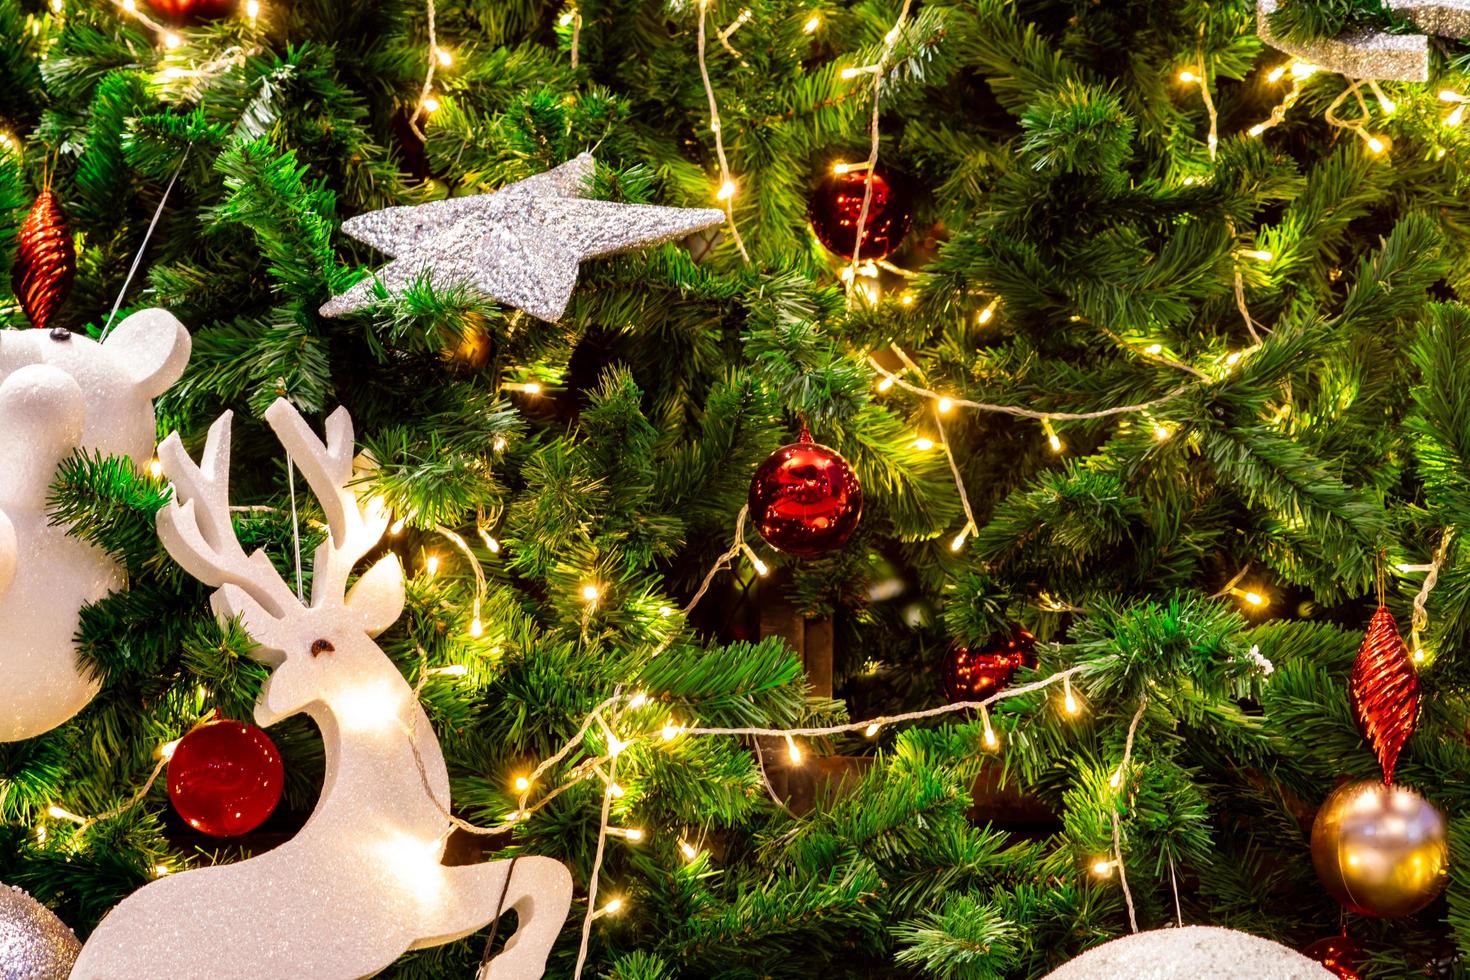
(355, 527)
(195, 525)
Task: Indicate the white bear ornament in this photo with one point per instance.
(59, 392)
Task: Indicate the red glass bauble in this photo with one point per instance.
(837, 203)
(225, 778)
(1340, 954)
(974, 674)
(189, 12)
(805, 499)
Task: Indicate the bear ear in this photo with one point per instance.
(152, 347)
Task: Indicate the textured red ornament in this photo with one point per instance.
(837, 203)
(45, 261)
(1340, 954)
(805, 500)
(974, 674)
(1384, 691)
(225, 778)
(187, 12)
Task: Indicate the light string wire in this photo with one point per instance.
(723, 562)
(1419, 619)
(726, 194)
(595, 874)
(1122, 777)
(890, 40)
(421, 110)
(1028, 413)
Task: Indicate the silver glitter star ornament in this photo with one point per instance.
(520, 245)
(1377, 54)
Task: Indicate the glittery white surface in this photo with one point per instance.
(362, 882)
(521, 245)
(1191, 953)
(34, 943)
(58, 394)
(1361, 54)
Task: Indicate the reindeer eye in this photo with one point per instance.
(319, 647)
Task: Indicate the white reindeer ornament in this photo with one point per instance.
(362, 882)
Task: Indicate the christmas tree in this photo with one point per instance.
(873, 488)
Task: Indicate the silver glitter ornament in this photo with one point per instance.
(34, 943)
(520, 245)
(1356, 54)
(1192, 953)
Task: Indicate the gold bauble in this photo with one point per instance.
(1379, 849)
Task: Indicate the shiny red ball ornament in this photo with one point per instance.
(1339, 954)
(837, 202)
(45, 261)
(805, 500)
(186, 13)
(974, 674)
(1383, 690)
(225, 778)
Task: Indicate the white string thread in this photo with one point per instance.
(147, 237)
(295, 527)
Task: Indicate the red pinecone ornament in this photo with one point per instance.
(45, 261)
(1384, 691)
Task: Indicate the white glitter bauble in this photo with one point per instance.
(34, 943)
(1192, 953)
(61, 391)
